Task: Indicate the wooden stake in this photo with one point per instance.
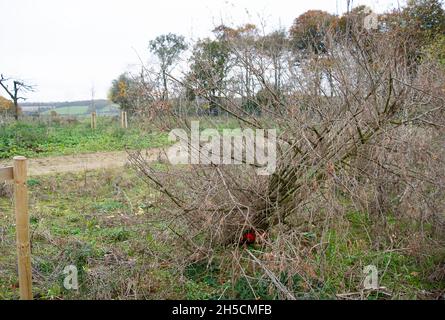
(22, 227)
(6, 174)
(124, 121)
(93, 120)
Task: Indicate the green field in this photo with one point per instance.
(75, 110)
(34, 139)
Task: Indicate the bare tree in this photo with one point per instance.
(17, 87)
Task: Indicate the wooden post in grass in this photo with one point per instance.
(18, 173)
(93, 120)
(22, 227)
(124, 121)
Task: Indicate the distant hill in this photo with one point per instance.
(98, 103)
(81, 107)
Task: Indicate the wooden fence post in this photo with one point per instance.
(124, 121)
(22, 227)
(93, 120)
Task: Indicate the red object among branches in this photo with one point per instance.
(249, 237)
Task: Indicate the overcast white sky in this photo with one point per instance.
(65, 47)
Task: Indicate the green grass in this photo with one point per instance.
(349, 249)
(81, 220)
(33, 139)
(112, 240)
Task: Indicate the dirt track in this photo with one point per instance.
(81, 162)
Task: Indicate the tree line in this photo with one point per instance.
(246, 64)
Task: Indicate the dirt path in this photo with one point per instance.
(81, 162)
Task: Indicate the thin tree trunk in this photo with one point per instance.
(165, 94)
(16, 102)
(16, 110)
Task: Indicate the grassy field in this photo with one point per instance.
(110, 225)
(113, 228)
(103, 222)
(34, 139)
(74, 110)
